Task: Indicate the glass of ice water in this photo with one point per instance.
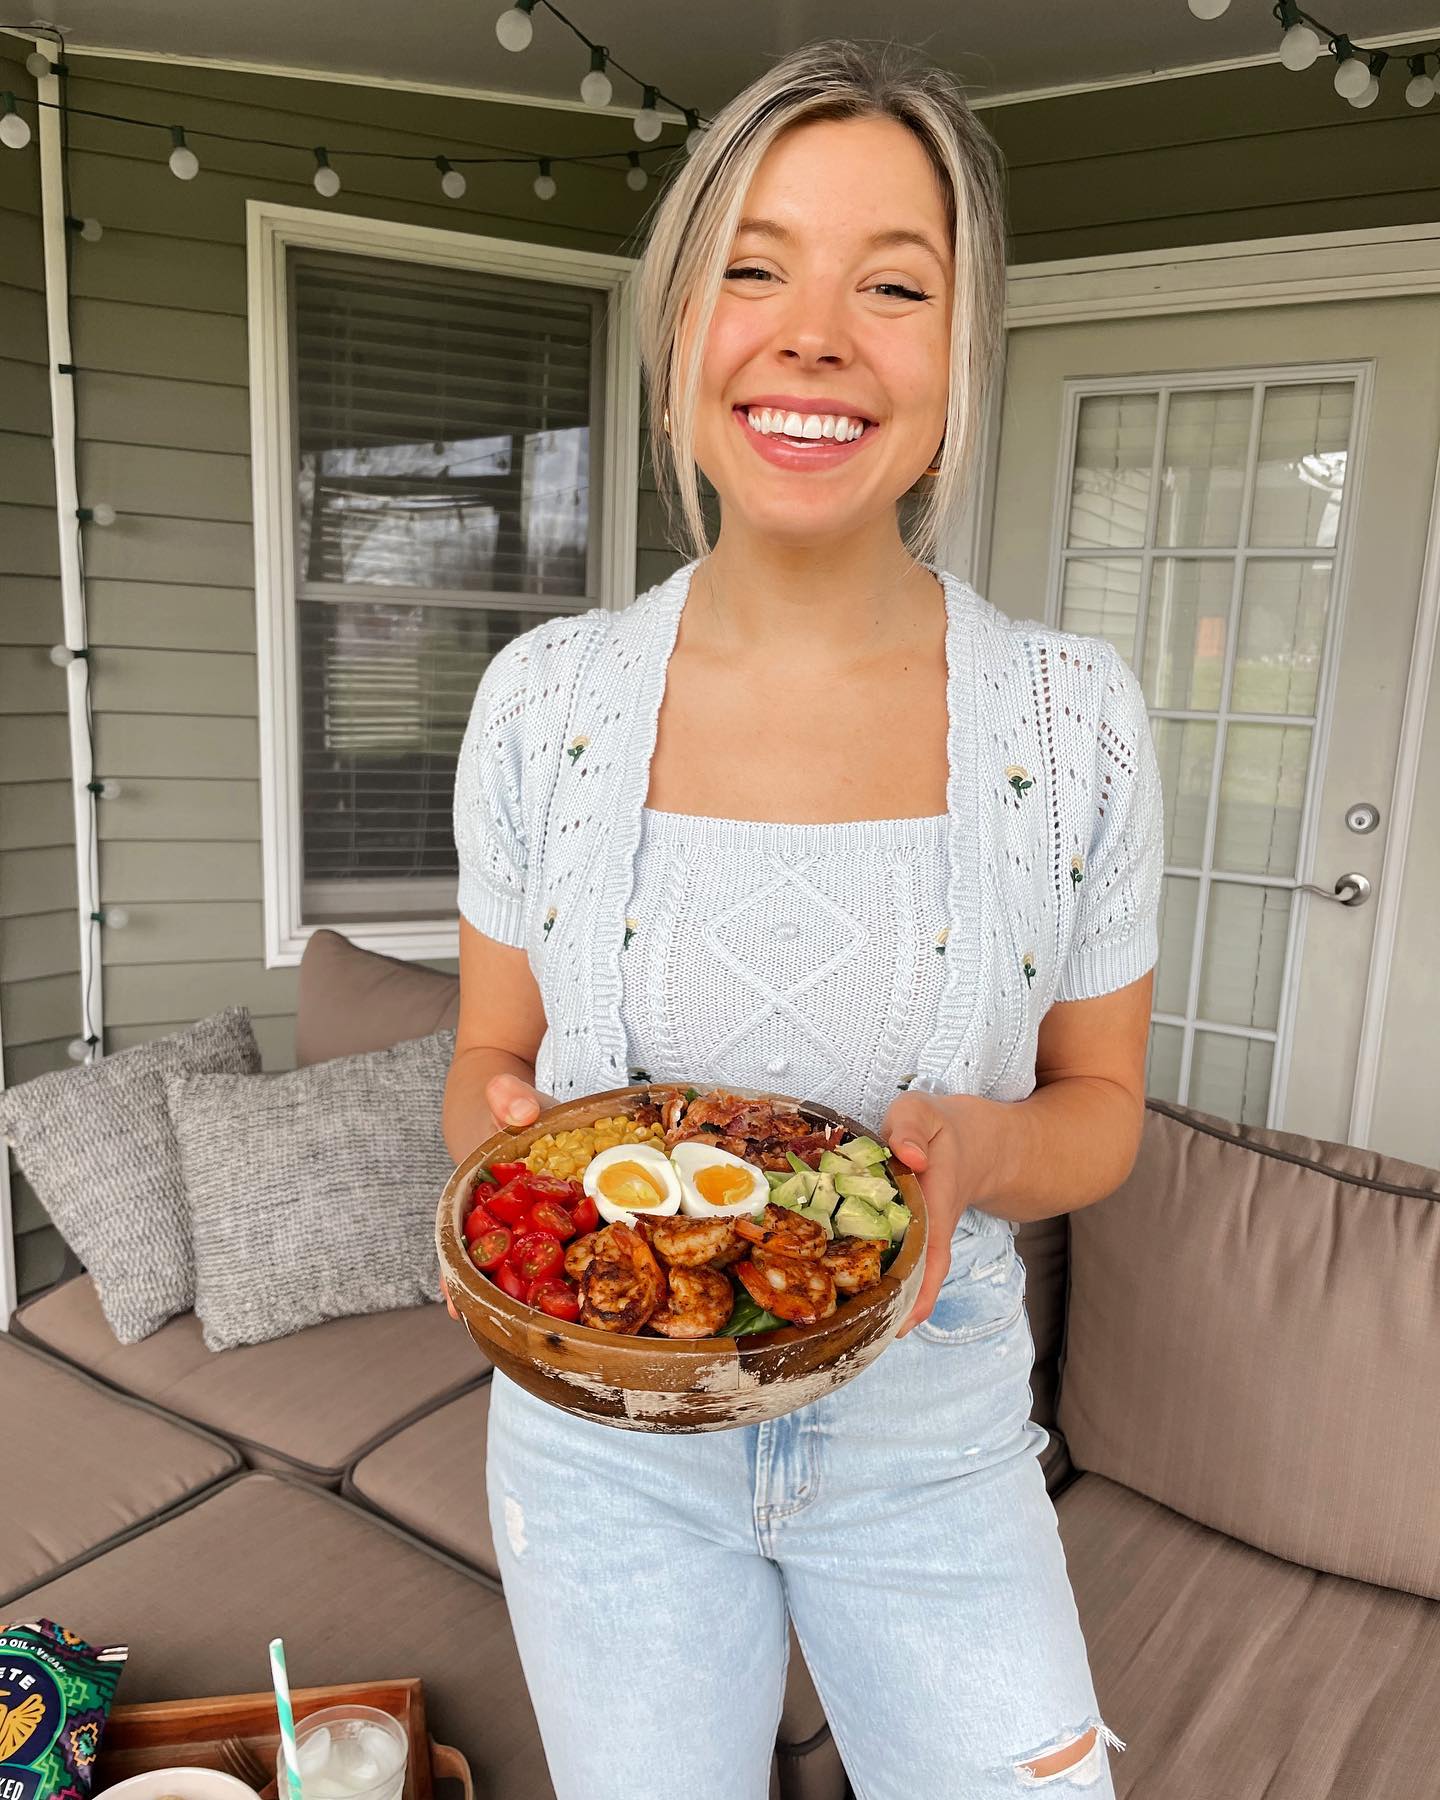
(347, 1753)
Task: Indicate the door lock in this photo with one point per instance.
(1352, 889)
(1362, 817)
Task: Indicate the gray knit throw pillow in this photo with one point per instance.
(313, 1195)
(96, 1144)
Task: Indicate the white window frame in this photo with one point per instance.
(272, 231)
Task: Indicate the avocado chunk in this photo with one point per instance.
(854, 1218)
(837, 1162)
(898, 1215)
(820, 1213)
(865, 1153)
(874, 1188)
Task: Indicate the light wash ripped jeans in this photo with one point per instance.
(903, 1524)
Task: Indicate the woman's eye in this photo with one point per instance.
(900, 291)
(746, 270)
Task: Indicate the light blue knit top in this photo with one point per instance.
(806, 959)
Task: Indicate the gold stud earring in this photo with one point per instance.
(934, 466)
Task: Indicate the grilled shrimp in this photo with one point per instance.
(580, 1254)
(700, 1302)
(731, 1254)
(785, 1233)
(854, 1263)
(688, 1243)
(623, 1284)
(801, 1292)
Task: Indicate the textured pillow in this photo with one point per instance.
(312, 1195)
(96, 1144)
(352, 1000)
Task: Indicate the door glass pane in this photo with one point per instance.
(1101, 598)
(1202, 482)
(1110, 487)
(1185, 632)
(1231, 1076)
(1282, 633)
(1304, 445)
(1162, 1062)
(1179, 896)
(1185, 750)
(1262, 789)
(1246, 932)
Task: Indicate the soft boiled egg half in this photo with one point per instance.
(716, 1184)
(628, 1179)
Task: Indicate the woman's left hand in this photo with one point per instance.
(936, 1136)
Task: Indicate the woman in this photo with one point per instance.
(811, 816)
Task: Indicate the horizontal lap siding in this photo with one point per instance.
(161, 338)
(39, 931)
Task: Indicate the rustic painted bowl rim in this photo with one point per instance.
(467, 1283)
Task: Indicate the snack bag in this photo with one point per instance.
(55, 1694)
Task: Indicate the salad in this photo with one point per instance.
(692, 1215)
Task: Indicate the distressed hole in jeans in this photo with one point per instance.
(1079, 1763)
(515, 1525)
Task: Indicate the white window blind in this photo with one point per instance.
(445, 499)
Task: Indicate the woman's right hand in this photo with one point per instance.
(513, 1104)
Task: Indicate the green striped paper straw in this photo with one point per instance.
(287, 1718)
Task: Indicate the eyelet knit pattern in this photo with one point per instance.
(1054, 838)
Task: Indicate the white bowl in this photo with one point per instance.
(187, 1783)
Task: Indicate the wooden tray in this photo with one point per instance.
(189, 1733)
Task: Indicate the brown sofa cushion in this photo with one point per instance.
(352, 1000)
(198, 1597)
(430, 1478)
(1230, 1673)
(1044, 1247)
(1254, 1340)
(309, 1404)
(80, 1465)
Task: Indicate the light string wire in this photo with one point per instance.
(1332, 38)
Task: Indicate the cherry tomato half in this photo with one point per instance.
(535, 1255)
(548, 1187)
(490, 1248)
(510, 1203)
(509, 1281)
(585, 1214)
(550, 1216)
(506, 1171)
(557, 1298)
(478, 1220)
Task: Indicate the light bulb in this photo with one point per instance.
(78, 1050)
(101, 513)
(91, 230)
(544, 183)
(636, 178)
(14, 132)
(648, 123)
(1299, 47)
(1352, 77)
(105, 790)
(327, 181)
(514, 28)
(452, 182)
(695, 133)
(595, 89)
(1367, 95)
(116, 917)
(1209, 9)
(38, 64)
(62, 656)
(1420, 89)
(184, 163)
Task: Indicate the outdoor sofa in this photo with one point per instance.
(1237, 1360)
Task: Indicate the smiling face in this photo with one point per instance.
(824, 377)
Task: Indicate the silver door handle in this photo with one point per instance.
(1350, 890)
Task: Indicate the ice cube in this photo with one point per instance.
(363, 1774)
(381, 1747)
(324, 1787)
(313, 1752)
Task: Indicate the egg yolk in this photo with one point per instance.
(722, 1183)
(631, 1185)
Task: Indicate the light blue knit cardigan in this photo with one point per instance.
(1055, 841)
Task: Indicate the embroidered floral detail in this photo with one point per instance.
(631, 927)
(575, 749)
(549, 920)
(1077, 871)
(1027, 963)
(941, 938)
(1020, 779)
(905, 1080)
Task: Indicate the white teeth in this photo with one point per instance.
(803, 427)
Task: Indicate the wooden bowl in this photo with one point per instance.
(667, 1384)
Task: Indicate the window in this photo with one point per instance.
(1201, 535)
(440, 464)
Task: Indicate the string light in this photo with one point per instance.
(1209, 9)
(513, 27)
(648, 123)
(544, 183)
(596, 88)
(636, 178)
(90, 229)
(694, 131)
(62, 656)
(14, 131)
(78, 1049)
(105, 790)
(116, 917)
(38, 64)
(1420, 89)
(101, 513)
(327, 180)
(452, 182)
(1300, 45)
(1303, 38)
(184, 163)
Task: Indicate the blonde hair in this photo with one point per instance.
(694, 227)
